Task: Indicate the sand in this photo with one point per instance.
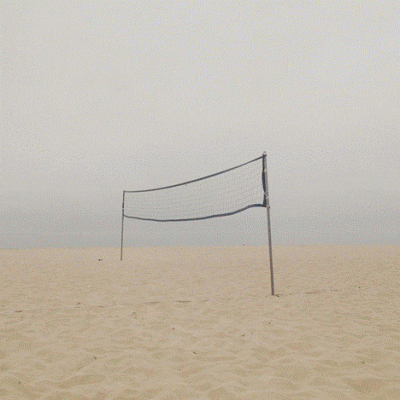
(200, 323)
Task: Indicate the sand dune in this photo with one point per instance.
(200, 323)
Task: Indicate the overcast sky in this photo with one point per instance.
(101, 96)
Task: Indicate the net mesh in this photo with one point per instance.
(221, 194)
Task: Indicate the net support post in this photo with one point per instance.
(267, 206)
(122, 224)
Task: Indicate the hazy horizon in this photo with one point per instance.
(101, 97)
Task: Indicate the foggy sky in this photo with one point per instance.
(102, 96)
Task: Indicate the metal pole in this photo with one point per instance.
(266, 198)
(122, 223)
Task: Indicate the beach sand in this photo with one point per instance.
(200, 323)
